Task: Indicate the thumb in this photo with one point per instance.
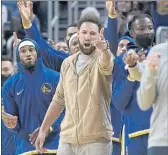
(15, 37)
(15, 117)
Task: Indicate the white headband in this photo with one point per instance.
(26, 43)
(72, 37)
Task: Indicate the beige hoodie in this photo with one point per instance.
(86, 97)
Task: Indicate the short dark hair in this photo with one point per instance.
(140, 16)
(72, 25)
(6, 58)
(92, 19)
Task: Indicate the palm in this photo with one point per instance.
(25, 9)
(110, 7)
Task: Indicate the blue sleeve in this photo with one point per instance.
(11, 107)
(122, 88)
(111, 34)
(52, 58)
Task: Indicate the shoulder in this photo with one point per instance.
(163, 47)
(11, 81)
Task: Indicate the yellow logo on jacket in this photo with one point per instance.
(46, 88)
(162, 8)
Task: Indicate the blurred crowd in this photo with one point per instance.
(11, 21)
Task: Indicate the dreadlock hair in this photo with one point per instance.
(139, 16)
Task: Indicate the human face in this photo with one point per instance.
(70, 32)
(143, 32)
(7, 68)
(28, 56)
(61, 46)
(87, 33)
(142, 26)
(74, 46)
(124, 6)
(122, 46)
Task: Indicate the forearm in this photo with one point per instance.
(136, 72)
(111, 34)
(106, 62)
(52, 114)
(121, 94)
(147, 90)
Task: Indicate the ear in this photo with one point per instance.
(78, 33)
(132, 34)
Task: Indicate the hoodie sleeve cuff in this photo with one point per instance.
(27, 26)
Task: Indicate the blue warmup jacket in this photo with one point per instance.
(136, 121)
(52, 58)
(111, 35)
(28, 96)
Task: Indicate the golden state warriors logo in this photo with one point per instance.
(162, 8)
(46, 88)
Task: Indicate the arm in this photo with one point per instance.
(136, 72)
(56, 125)
(111, 34)
(147, 90)
(106, 63)
(122, 88)
(34, 33)
(11, 108)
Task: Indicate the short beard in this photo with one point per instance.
(86, 51)
(29, 67)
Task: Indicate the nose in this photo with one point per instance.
(28, 53)
(124, 48)
(87, 37)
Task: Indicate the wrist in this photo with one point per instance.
(112, 15)
(27, 25)
(132, 65)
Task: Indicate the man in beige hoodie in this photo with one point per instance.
(84, 90)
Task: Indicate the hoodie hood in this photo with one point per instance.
(127, 38)
(39, 59)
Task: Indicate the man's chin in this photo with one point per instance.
(29, 66)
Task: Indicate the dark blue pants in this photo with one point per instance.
(158, 150)
(137, 145)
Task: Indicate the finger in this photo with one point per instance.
(31, 6)
(15, 118)
(94, 43)
(34, 139)
(15, 37)
(142, 50)
(102, 34)
(33, 134)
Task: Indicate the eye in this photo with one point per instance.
(23, 51)
(92, 33)
(141, 28)
(84, 32)
(65, 48)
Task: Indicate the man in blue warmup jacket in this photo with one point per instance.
(124, 91)
(26, 98)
